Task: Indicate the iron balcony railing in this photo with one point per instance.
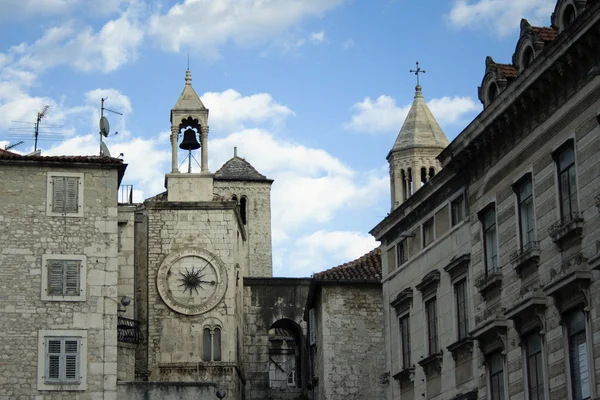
(565, 219)
(125, 195)
(529, 248)
(128, 330)
(486, 276)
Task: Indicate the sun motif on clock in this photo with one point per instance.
(191, 282)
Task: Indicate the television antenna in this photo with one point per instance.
(38, 128)
(105, 127)
(13, 145)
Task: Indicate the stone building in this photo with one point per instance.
(346, 343)
(490, 270)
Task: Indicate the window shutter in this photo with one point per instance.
(55, 277)
(72, 194)
(72, 278)
(53, 354)
(58, 194)
(312, 327)
(71, 360)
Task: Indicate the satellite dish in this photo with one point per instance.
(104, 126)
(104, 149)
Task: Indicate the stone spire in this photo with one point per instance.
(412, 159)
(189, 99)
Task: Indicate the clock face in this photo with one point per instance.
(191, 282)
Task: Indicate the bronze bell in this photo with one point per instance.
(189, 141)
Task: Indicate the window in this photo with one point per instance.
(462, 313)
(391, 258)
(496, 376)
(428, 232)
(402, 252)
(528, 57)
(64, 194)
(526, 214)
(535, 374)
(578, 355)
(489, 239)
(492, 92)
(63, 277)
(291, 379)
(567, 186)
(403, 323)
(457, 207)
(243, 209)
(211, 344)
(432, 333)
(568, 16)
(62, 360)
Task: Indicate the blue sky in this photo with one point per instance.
(312, 92)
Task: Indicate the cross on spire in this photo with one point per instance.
(417, 72)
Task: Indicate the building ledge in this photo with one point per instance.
(526, 256)
(405, 374)
(458, 265)
(529, 310)
(488, 280)
(464, 345)
(569, 228)
(472, 395)
(432, 363)
(598, 202)
(594, 261)
(571, 274)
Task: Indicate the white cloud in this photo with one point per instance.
(383, 115)
(323, 250)
(205, 25)
(229, 110)
(317, 37)
(348, 44)
(41, 8)
(500, 15)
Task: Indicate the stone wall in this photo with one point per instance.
(351, 342)
(126, 250)
(267, 301)
(27, 233)
(167, 391)
(258, 226)
(125, 362)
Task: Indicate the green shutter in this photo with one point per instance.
(55, 277)
(58, 194)
(72, 195)
(71, 287)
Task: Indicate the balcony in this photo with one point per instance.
(488, 280)
(432, 363)
(490, 328)
(594, 261)
(405, 374)
(568, 229)
(569, 280)
(528, 311)
(528, 255)
(128, 331)
(125, 195)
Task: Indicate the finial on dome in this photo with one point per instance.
(188, 77)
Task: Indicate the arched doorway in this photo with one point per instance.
(285, 356)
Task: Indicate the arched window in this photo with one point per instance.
(423, 176)
(243, 210)
(492, 92)
(291, 380)
(217, 344)
(206, 344)
(568, 16)
(211, 344)
(528, 57)
(234, 198)
(404, 184)
(431, 172)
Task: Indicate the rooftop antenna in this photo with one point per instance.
(37, 127)
(13, 145)
(105, 127)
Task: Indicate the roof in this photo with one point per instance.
(2, 151)
(508, 70)
(420, 129)
(544, 33)
(365, 268)
(6, 155)
(188, 100)
(238, 169)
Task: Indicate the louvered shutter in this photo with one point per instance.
(312, 327)
(55, 277)
(71, 360)
(58, 194)
(53, 356)
(72, 195)
(71, 287)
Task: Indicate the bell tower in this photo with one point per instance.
(190, 116)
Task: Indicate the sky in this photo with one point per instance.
(312, 93)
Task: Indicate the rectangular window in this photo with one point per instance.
(402, 252)
(65, 194)
(496, 376)
(526, 214)
(489, 240)
(535, 372)
(391, 258)
(457, 207)
(404, 326)
(432, 332)
(578, 355)
(428, 232)
(462, 313)
(63, 277)
(567, 186)
(62, 361)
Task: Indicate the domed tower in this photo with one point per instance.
(413, 160)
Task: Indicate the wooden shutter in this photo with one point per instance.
(312, 327)
(59, 194)
(71, 360)
(71, 286)
(53, 355)
(55, 277)
(72, 195)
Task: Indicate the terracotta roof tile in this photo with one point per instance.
(238, 169)
(508, 70)
(2, 152)
(4, 155)
(367, 267)
(545, 34)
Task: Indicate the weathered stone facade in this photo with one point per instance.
(28, 236)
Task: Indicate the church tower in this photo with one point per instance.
(413, 160)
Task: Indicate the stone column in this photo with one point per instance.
(397, 185)
(174, 137)
(204, 154)
(416, 175)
